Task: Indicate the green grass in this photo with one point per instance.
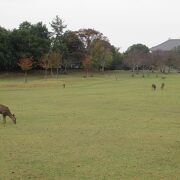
(95, 128)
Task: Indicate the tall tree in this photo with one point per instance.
(25, 64)
(135, 56)
(30, 40)
(87, 64)
(44, 64)
(101, 54)
(117, 58)
(54, 61)
(6, 56)
(87, 36)
(75, 51)
(58, 27)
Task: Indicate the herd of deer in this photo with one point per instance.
(4, 110)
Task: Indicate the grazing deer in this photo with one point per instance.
(64, 85)
(162, 86)
(154, 87)
(4, 110)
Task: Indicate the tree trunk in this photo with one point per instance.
(45, 74)
(137, 68)
(116, 76)
(57, 73)
(51, 72)
(169, 69)
(156, 74)
(152, 70)
(65, 69)
(102, 69)
(133, 71)
(87, 72)
(25, 77)
(143, 71)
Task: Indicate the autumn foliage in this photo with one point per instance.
(87, 64)
(44, 64)
(25, 64)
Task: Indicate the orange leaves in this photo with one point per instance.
(25, 64)
(87, 62)
(44, 64)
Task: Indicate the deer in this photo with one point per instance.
(154, 87)
(4, 110)
(162, 86)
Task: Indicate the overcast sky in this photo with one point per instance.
(124, 22)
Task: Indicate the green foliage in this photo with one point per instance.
(87, 36)
(58, 27)
(138, 48)
(54, 59)
(6, 53)
(75, 50)
(136, 56)
(117, 59)
(101, 54)
(31, 40)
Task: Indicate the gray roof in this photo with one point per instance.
(167, 45)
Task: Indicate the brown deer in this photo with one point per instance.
(162, 86)
(154, 87)
(4, 110)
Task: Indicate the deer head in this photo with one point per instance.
(13, 118)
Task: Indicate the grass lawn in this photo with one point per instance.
(95, 128)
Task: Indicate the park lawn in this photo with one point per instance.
(95, 128)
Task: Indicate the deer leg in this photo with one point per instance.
(4, 119)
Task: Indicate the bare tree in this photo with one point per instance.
(135, 57)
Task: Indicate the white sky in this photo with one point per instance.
(124, 22)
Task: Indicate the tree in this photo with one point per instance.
(30, 41)
(75, 51)
(160, 59)
(6, 56)
(87, 64)
(54, 61)
(117, 58)
(176, 53)
(101, 54)
(58, 27)
(130, 61)
(40, 41)
(25, 64)
(170, 60)
(43, 63)
(87, 36)
(135, 56)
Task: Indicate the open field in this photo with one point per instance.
(95, 128)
